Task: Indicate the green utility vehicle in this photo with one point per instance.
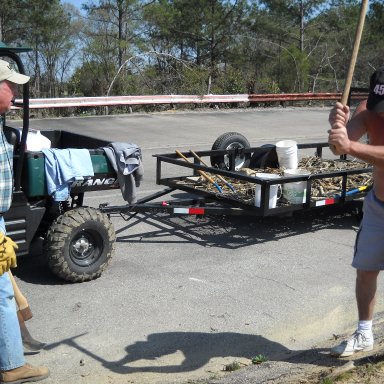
(78, 241)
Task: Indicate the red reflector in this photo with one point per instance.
(196, 211)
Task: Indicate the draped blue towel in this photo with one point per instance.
(62, 167)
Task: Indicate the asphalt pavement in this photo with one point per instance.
(186, 296)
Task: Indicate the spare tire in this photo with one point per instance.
(264, 157)
(231, 140)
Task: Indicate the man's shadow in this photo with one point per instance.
(197, 349)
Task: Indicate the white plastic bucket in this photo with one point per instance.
(36, 141)
(287, 154)
(273, 189)
(296, 192)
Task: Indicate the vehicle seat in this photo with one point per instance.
(12, 135)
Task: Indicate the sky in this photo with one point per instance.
(76, 3)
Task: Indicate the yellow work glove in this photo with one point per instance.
(7, 253)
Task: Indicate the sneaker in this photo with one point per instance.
(358, 342)
(24, 374)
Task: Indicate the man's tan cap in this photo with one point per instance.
(7, 73)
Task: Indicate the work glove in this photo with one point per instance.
(7, 253)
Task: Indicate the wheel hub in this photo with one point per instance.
(82, 246)
(239, 160)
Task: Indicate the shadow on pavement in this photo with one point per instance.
(228, 232)
(34, 267)
(233, 232)
(198, 349)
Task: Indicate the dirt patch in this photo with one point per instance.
(316, 366)
(313, 366)
(368, 369)
(276, 364)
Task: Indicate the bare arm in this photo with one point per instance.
(372, 154)
(342, 131)
(356, 127)
(345, 136)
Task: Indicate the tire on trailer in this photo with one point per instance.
(80, 244)
(231, 140)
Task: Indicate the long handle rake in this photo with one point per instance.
(228, 184)
(355, 50)
(202, 173)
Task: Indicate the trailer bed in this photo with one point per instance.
(186, 172)
(202, 198)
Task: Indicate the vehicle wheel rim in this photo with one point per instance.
(239, 159)
(86, 248)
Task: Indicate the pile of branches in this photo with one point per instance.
(320, 187)
(329, 187)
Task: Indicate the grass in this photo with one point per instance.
(369, 373)
(258, 359)
(234, 366)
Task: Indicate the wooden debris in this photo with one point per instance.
(321, 188)
(334, 375)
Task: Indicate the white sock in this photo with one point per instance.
(365, 326)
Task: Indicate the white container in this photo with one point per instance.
(296, 192)
(36, 141)
(273, 190)
(287, 154)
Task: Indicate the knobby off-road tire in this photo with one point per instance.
(231, 140)
(80, 244)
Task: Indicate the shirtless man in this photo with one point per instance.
(369, 252)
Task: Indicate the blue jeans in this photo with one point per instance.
(11, 345)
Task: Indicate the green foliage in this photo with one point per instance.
(327, 381)
(192, 47)
(260, 85)
(193, 81)
(258, 359)
(234, 366)
(230, 81)
(293, 70)
(89, 80)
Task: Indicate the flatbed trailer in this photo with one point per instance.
(173, 172)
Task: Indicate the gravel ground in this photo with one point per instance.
(316, 366)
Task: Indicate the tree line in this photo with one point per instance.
(138, 47)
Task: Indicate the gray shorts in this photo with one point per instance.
(369, 246)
